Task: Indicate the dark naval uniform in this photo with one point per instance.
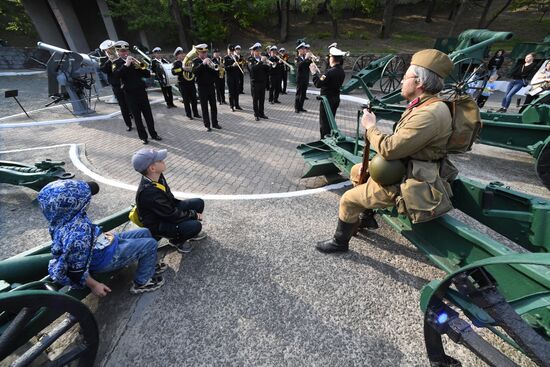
(107, 68)
(136, 96)
(243, 64)
(233, 81)
(220, 82)
(206, 79)
(330, 83)
(259, 73)
(161, 77)
(187, 90)
(302, 82)
(276, 77)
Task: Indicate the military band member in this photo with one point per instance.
(161, 77)
(244, 64)
(302, 77)
(259, 72)
(206, 75)
(284, 55)
(234, 73)
(275, 75)
(186, 87)
(107, 68)
(329, 83)
(131, 74)
(420, 140)
(220, 82)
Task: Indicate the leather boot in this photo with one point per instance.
(340, 241)
(366, 220)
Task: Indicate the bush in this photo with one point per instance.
(323, 35)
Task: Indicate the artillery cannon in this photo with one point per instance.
(75, 73)
(34, 177)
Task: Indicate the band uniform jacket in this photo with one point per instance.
(331, 81)
(302, 70)
(231, 68)
(278, 70)
(156, 67)
(259, 72)
(420, 140)
(205, 75)
(107, 68)
(177, 69)
(130, 76)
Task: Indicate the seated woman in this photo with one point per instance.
(539, 84)
(79, 248)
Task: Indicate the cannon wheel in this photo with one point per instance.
(486, 297)
(468, 77)
(362, 62)
(26, 312)
(392, 74)
(542, 165)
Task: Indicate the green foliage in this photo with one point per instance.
(322, 35)
(370, 6)
(140, 14)
(13, 18)
(349, 34)
(410, 37)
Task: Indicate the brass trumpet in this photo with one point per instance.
(138, 64)
(212, 65)
(286, 63)
(312, 57)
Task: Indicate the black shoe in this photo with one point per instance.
(220, 103)
(190, 117)
(501, 110)
(257, 118)
(306, 98)
(283, 92)
(276, 101)
(302, 110)
(129, 128)
(241, 92)
(238, 108)
(264, 117)
(217, 126)
(367, 220)
(171, 106)
(208, 129)
(296, 111)
(340, 241)
(232, 109)
(156, 137)
(198, 116)
(145, 141)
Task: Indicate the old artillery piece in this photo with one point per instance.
(30, 302)
(34, 177)
(500, 286)
(388, 70)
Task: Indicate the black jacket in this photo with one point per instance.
(205, 75)
(231, 68)
(160, 76)
(259, 71)
(156, 206)
(107, 67)
(525, 72)
(302, 70)
(278, 70)
(332, 81)
(130, 76)
(177, 69)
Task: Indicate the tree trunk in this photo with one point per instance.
(483, 17)
(183, 36)
(279, 15)
(385, 29)
(454, 5)
(430, 12)
(457, 18)
(504, 7)
(285, 5)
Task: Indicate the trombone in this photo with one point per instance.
(237, 63)
(286, 63)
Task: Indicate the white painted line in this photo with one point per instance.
(21, 73)
(74, 154)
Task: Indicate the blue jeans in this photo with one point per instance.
(513, 87)
(185, 229)
(136, 245)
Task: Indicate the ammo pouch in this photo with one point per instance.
(424, 194)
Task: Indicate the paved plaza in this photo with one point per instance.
(255, 292)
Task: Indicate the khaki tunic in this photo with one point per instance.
(420, 139)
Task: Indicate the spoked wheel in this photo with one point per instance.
(362, 62)
(392, 74)
(542, 165)
(468, 77)
(26, 313)
(485, 306)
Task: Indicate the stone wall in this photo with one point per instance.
(12, 58)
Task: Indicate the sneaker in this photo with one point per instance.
(183, 247)
(501, 110)
(160, 268)
(200, 236)
(152, 285)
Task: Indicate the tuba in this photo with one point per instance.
(188, 64)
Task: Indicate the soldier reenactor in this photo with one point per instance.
(259, 71)
(131, 73)
(220, 82)
(330, 83)
(107, 68)
(302, 77)
(186, 87)
(161, 77)
(206, 73)
(419, 141)
(284, 55)
(234, 72)
(243, 63)
(275, 75)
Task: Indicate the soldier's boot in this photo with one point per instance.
(340, 240)
(367, 220)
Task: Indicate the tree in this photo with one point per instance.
(181, 25)
(13, 18)
(457, 16)
(430, 11)
(385, 28)
(334, 9)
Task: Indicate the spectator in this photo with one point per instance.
(496, 62)
(489, 89)
(520, 78)
(539, 84)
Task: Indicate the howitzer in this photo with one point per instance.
(75, 73)
(34, 177)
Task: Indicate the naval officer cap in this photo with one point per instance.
(433, 60)
(201, 47)
(334, 44)
(177, 51)
(336, 52)
(122, 45)
(231, 47)
(301, 45)
(273, 48)
(157, 49)
(237, 47)
(307, 45)
(256, 46)
(282, 49)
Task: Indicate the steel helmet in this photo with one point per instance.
(386, 172)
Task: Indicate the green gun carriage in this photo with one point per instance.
(32, 176)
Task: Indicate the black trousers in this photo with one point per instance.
(189, 96)
(233, 86)
(185, 229)
(123, 104)
(284, 80)
(168, 96)
(334, 102)
(301, 90)
(241, 83)
(220, 89)
(207, 95)
(139, 104)
(275, 88)
(258, 98)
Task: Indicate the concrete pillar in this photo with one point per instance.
(69, 24)
(109, 25)
(143, 39)
(44, 22)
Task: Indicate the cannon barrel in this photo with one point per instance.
(480, 35)
(475, 42)
(51, 48)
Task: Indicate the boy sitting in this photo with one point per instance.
(159, 211)
(79, 247)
